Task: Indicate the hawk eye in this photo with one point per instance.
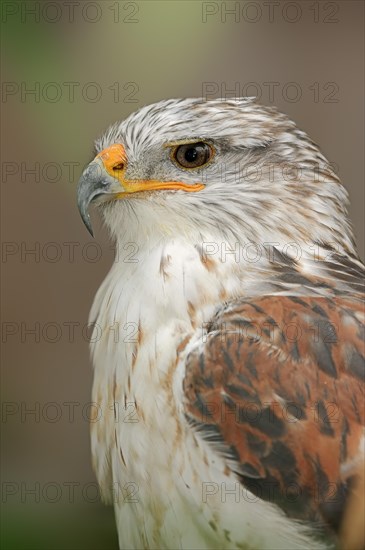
(192, 155)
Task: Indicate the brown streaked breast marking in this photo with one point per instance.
(140, 333)
(209, 264)
(223, 294)
(207, 261)
(183, 344)
(114, 389)
(134, 356)
(192, 314)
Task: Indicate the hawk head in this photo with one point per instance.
(231, 169)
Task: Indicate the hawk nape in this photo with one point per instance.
(229, 358)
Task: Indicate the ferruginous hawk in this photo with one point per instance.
(229, 344)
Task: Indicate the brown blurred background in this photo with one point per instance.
(69, 70)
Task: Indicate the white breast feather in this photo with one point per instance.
(147, 459)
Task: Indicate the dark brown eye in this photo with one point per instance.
(193, 155)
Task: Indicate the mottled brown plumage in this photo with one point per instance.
(279, 386)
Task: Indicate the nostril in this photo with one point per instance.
(118, 166)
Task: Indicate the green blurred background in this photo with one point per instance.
(89, 64)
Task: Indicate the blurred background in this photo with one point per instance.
(69, 69)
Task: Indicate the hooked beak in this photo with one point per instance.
(99, 179)
(105, 175)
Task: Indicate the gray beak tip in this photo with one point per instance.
(83, 210)
(89, 227)
(93, 182)
(84, 197)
